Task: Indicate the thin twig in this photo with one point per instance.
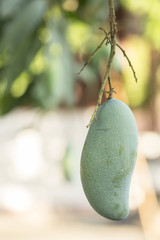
(110, 87)
(105, 91)
(102, 29)
(92, 55)
(111, 56)
(107, 74)
(111, 39)
(129, 62)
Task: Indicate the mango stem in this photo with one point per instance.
(107, 76)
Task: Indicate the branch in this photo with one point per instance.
(111, 39)
(92, 55)
(111, 56)
(129, 62)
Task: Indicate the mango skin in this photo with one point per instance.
(108, 159)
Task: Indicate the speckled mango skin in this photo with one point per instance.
(108, 159)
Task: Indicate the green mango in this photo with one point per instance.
(108, 159)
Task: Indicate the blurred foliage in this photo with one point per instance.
(68, 163)
(43, 43)
(150, 10)
(137, 92)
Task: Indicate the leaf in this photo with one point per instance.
(8, 8)
(57, 86)
(7, 102)
(20, 60)
(23, 24)
(20, 41)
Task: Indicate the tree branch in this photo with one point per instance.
(129, 62)
(92, 55)
(112, 20)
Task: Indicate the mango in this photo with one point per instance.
(108, 159)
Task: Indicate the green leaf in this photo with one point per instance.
(57, 86)
(8, 7)
(20, 60)
(20, 41)
(23, 24)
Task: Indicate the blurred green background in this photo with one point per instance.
(43, 43)
(45, 106)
